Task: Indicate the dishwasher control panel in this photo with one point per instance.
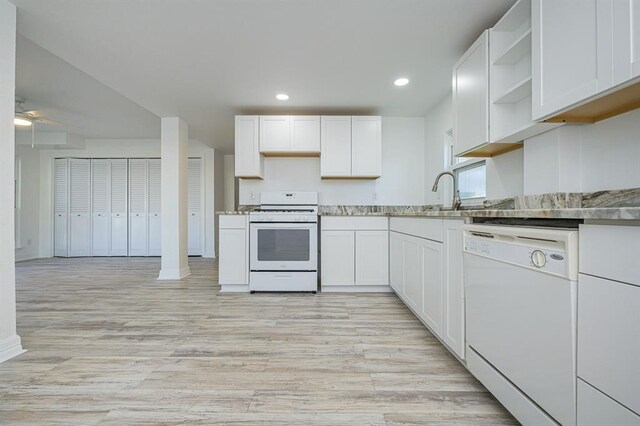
(528, 255)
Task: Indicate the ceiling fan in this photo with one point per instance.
(29, 118)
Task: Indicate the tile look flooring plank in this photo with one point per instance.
(110, 344)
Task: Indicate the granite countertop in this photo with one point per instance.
(615, 204)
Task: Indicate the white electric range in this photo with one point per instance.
(283, 242)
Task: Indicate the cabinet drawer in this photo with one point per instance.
(233, 221)
(609, 338)
(354, 223)
(429, 228)
(597, 409)
(610, 251)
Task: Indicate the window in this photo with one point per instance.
(472, 180)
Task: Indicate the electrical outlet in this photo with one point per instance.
(29, 242)
(253, 195)
(375, 196)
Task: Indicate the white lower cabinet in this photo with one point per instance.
(426, 273)
(338, 258)
(233, 266)
(354, 253)
(597, 409)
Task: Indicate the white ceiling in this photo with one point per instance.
(57, 91)
(208, 60)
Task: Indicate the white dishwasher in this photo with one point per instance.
(521, 299)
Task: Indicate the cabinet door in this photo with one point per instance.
(372, 257)
(471, 97)
(609, 338)
(138, 207)
(100, 209)
(275, 133)
(79, 207)
(335, 146)
(396, 261)
(597, 409)
(625, 27)
(305, 133)
(154, 232)
(571, 55)
(61, 207)
(118, 238)
(366, 146)
(338, 258)
(233, 263)
(248, 162)
(412, 272)
(195, 224)
(453, 305)
(432, 284)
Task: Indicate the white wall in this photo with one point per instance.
(113, 148)
(230, 187)
(402, 180)
(27, 220)
(585, 158)
(505, 176)
(10, 344)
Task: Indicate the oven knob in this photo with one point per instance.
(538, 259)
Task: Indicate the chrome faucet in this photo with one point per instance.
(456, 194)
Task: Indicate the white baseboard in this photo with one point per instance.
(174, 274)
(355, 288)
(10, 347)
(234, 288)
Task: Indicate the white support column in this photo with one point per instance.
(174, 155)
(10, 344)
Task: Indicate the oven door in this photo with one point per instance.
(283, 246)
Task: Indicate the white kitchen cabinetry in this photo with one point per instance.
(289, 134)
(354, 253)
(471, 97)
(275, 133)
(233, 267)
(585, 56)
(426, 273)
(338, 258)
(366, 146)
(335, 146)
(61, 207)
(248, 161)
(195, 202)
(351, 147)
(79, 207)
(609, 319)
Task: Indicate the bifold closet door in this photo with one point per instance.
(100, 224)
(195, 225)
(61, 207)
(138, 207)
(155, 225)
(79, 207)
(119, 241)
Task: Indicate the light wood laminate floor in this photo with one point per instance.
(108, 343)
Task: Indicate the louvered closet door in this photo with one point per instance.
(138, 207)
(195, 207)
(61, 207)
(79, 207)
(155, 226)
(118, 241)
(100, 201)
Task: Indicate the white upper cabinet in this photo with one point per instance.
(335, 146)
(584, 50)
(305, 134)
(249, 163)
(351, 147)
(275, 133)
(471, 97)
(366, 146)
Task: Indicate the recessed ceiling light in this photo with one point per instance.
(282, 96)
(21, 121)
(401, 81)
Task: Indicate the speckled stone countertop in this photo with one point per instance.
(616, 204)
